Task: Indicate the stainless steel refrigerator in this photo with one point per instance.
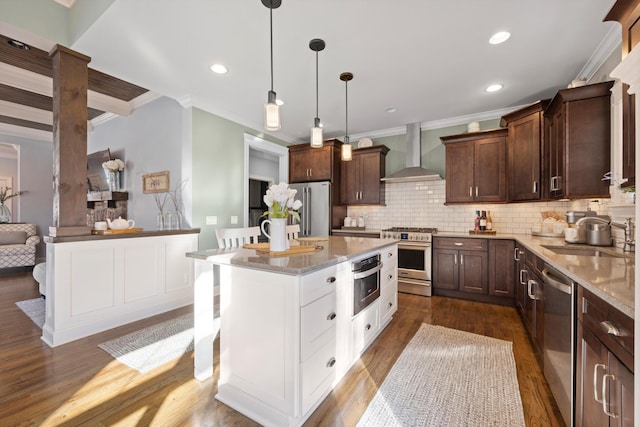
(315, 213)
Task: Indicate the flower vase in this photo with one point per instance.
(5, 214)
(114, 180)
(277, 234)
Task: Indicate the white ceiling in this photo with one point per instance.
(430, 59)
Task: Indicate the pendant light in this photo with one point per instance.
(271, 109)
(316, 131)
(346, 147)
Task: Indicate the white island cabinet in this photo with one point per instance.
(287, 330)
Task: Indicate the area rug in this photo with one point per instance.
(153, 346)
(446, 377)
(34, 308)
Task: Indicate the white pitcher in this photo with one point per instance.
(278, 236)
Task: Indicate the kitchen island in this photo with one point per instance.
(288, 332)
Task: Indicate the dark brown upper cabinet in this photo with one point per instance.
(524, 152)
(577, 137)
(476, 167)
(308, 164)
(360, 183)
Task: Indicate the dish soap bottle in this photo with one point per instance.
(489, 221)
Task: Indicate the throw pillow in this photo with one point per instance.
(13, 238)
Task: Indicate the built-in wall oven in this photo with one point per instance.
(366, 282)
(414, 258)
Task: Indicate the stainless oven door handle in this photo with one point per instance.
(368, 273)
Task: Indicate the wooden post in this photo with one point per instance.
(70, 85)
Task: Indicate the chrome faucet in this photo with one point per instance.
(629, 240)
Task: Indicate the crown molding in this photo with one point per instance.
(609, 44)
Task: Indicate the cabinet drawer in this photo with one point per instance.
(537, 264)
(462, 243)
(364, 328)
(318, 324)
(318, 374)
(612, 327)
(320, 283)
(388, 274)
(388, 301)
(389, 257)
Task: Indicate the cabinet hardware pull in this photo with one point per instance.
(331, 279)
(516, 251)
(458, 243)
(455, 259)
(476, 192)
(529, 292)
(331, 362)
(368, 326)
(523, 273)
(390, 254)
(331, 316)
(596, 367)
(390, 304)
(535, 186)
(605, 404)
(611, 329)
(390, 276)
(310, 171)
(470, 191)
(461, 259)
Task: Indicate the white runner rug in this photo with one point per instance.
(34, 308)
(153, 346)
(446, 377)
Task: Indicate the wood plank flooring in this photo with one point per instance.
(80, 384)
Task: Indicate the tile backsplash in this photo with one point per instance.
(421, 204)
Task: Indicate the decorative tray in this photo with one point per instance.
(482, 231)
(313, 239)
(120, 231)
(263, 248)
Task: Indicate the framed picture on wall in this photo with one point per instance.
(157, 182)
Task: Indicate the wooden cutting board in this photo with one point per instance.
(313, 239)
(112, 231)
(264, 248)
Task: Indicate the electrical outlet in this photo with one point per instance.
(211, 220)
(234, 219)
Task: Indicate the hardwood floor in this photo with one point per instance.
(80, 384)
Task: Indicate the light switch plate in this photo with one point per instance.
(234, 219)
(211, 220)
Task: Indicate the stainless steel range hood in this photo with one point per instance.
(413, 171)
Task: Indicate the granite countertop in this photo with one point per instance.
(352, 230)
(335, 249)
(93, 237)
(610, 278)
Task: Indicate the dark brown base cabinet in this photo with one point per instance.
(529, 296)
(604, 376)
(473, 268)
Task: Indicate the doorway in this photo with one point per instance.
(266, 163)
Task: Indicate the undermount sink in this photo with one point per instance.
(582, 251)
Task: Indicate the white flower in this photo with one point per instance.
(280, 200)
(113, 165)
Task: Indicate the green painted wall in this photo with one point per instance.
(433, 153)
(45, 18)
(218, 172)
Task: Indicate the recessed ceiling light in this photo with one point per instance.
(219, 69)
(391, 109)
(494, 87)
(279, 102)
(500, 37)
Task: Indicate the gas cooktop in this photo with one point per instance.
(412, 230)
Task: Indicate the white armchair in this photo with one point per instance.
(18, 245)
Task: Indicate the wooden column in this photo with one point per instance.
(70, 85)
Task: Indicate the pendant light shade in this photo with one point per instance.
(316, 131)
(346, 147)
(271, 109)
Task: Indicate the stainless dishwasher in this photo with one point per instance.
(559, 339)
